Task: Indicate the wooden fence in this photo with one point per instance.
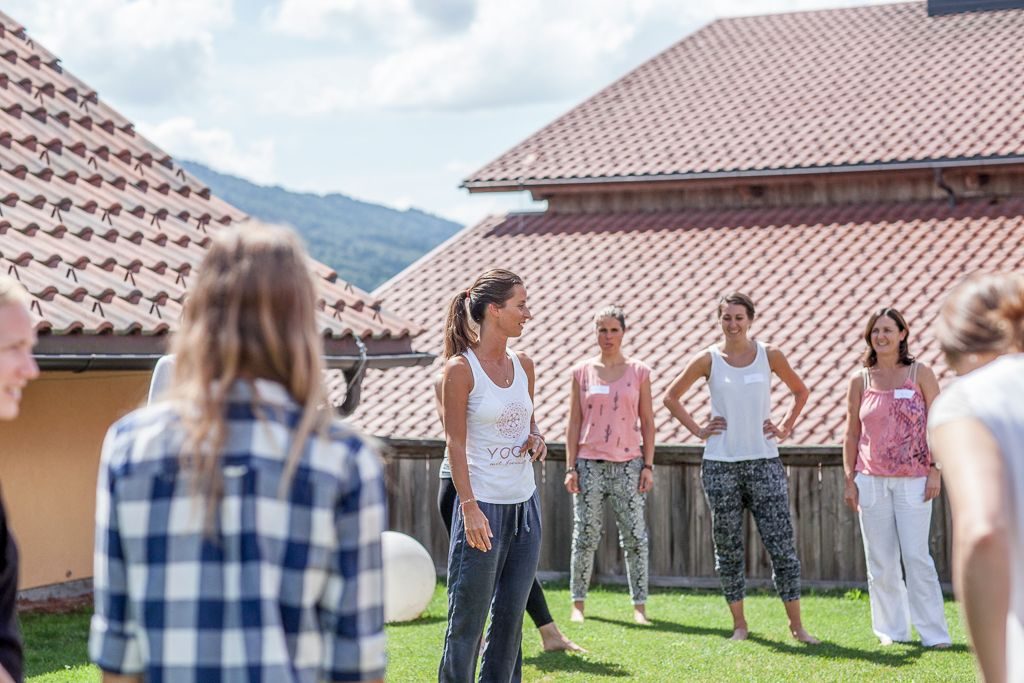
(681, 554)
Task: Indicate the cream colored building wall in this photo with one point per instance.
(48, 463)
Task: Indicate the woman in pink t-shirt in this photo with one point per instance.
(610, 454)
(891, 481)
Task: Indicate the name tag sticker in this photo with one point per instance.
(599, 389)
(753, 379)
(903, 394)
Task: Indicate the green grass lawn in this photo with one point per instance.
(688, 641)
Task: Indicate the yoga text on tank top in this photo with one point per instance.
(497, 426)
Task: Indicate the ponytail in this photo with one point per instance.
(466, 310)
(458, 336)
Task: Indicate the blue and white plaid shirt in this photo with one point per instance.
(286, 588)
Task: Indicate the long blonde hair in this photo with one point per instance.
(250, 315)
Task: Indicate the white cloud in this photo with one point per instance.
(381, 21)
(490, 54)
(141, 51)
(182, 138)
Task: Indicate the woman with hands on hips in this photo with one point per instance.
(891, 481)
(609, 453)
(493, 440)
(741, 467)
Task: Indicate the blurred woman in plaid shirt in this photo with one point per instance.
(238, 522)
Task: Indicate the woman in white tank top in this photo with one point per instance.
(741, 467)
(493, 440)
(976, 428)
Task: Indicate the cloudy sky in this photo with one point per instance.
(392, 101)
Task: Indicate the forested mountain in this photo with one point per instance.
(366, 243)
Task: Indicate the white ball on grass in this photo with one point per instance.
(409, 577)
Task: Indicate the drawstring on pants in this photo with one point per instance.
(526, 517)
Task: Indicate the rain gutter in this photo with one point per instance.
(85, 362)
(523, 184)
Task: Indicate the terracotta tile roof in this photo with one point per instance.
(815, 273)
(841, 87)
(105, 230)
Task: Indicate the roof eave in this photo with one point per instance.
(84, 362)
(522, 184)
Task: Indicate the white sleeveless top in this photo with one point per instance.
(497, 426)
(743, 397)
(991, 394)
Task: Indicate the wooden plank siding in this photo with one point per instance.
(827, 532)
(857, 187)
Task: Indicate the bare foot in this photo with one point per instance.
(801, 634)
(577, 613)
(640, 615)
(739, 632)
(553, 640)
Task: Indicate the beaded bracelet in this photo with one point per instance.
(463, 503)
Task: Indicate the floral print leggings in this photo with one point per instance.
(759, 486)
(600, 479)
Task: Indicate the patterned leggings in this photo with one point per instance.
(760, 486)
(601, 479)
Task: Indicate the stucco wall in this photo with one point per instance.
(48, 463)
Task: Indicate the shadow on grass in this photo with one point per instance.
(828, 650)
(575, 663)
(420, 621)
(667, 626)
(959, 647)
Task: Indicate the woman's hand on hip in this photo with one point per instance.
(773, 430)
(715, 426)
(478, 529)
(932, 485)
(536, 448)
(572, 482)
(851, 496)
(646, 480)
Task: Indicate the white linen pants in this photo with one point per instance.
(894, 522)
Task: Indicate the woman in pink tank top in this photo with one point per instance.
(609, 453)
(891, 481)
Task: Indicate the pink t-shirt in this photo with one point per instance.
(893, 432)
(610, 429)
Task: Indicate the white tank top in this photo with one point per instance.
(497, 426)
(743, 397)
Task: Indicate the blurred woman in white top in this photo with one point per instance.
(976, 429)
